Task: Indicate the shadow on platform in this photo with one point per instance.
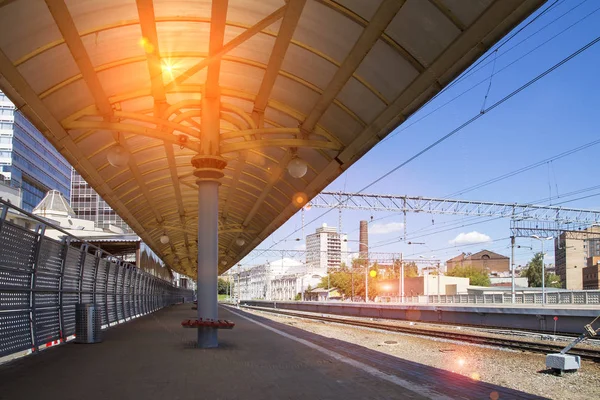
(153, 357)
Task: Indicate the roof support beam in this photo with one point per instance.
(150, 43)
(67, 28)
(284, 37)
(135, 171)
(134, 129)
(241, 160)
(384, 15)
(215, 46)
(259, 26)
(276, 175)
(448, 14)
(36, 111)
(6, 2)
(177, 188)
(256, 144)
(334, 5)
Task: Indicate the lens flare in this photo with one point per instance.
(475, 376)
(299, 199)
(146, 45)
(167, 67)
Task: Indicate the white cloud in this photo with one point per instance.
(301, 246)
(469, 238)
(382, 229)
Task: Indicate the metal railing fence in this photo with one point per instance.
(42, 280)
(575, 297)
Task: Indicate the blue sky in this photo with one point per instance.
(555, 114)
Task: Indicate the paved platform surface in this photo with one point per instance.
(154, 358)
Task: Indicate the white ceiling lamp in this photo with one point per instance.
(118, 156)
(297, 167)
(164, 239)
(240, 242)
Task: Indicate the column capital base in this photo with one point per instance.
(208, 167)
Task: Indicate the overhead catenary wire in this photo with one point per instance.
(465, 124)
(404, 127)
(524, 169)
(392, 241)
(484, 112)
(490, 51)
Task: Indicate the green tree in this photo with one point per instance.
(343, 278)
(411, 270)
(340, 280)
(222, 286)
(476, 276)
(553, 280)
(533, 272)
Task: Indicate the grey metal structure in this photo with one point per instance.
(432, 205)
(574, 297)
(42, 280)
(547, 229)
(378, 257)
(534, 316)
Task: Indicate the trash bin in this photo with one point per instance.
(88, 323)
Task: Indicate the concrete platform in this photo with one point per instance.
(154, 358)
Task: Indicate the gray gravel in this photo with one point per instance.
(513, 369)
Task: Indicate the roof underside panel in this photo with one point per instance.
(323, 79)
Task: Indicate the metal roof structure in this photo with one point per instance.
(324, 80)
(54, 203)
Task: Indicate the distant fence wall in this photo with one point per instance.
(564, 319)
(575, 297)
(42, 280)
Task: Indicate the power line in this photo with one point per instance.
(478, 222)
(524, 169)
(454, 247)
(483, 112)
(490, 51)
(481, 82)
(465, 124)
(475, 69)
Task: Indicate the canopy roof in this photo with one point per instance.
(323, 79)
(54, 204)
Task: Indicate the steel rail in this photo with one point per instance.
(535, 347)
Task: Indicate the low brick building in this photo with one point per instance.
(591, 278)
(484, 260)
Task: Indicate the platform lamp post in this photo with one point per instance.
(542, 239)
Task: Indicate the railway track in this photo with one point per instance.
(535, 347)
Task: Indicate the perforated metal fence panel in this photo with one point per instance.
(42, 281)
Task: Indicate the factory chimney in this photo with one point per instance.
(363, 246)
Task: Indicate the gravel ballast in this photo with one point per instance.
(513, 369)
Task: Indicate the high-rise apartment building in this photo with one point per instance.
(325, 249)
(27, 160)
(87, 204)
(572, 254)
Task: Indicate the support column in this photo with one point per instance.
(208, 171)
(208, 258)
(402, 294)
(512, 270)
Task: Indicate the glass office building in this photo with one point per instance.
(87, 204)
(27, 159)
